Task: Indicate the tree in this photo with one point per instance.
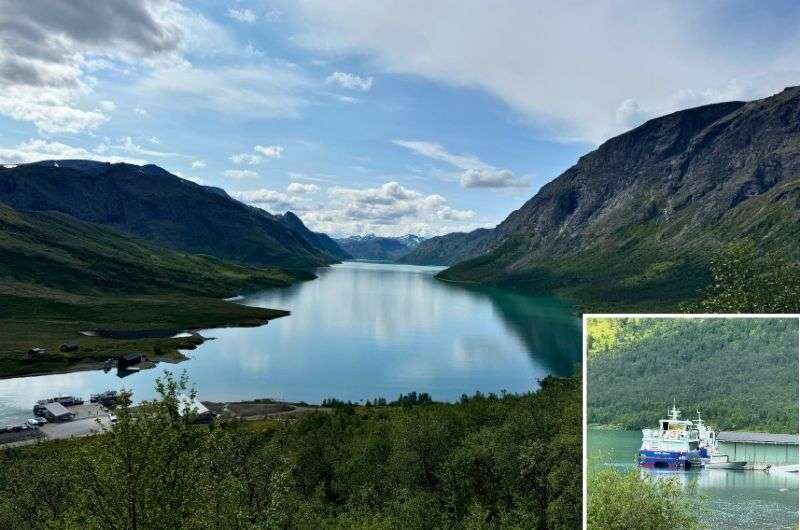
(745, 282)
(635, 501)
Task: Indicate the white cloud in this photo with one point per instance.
(242, 15)
(263, 91)
(37, 149)
(350, 81)
(271, 200)
(198, 164)
(48, 51)
(269, 151)
(246, 158)
(52, 110)
(240, 174)
(299, 188)
(476, 173)
(127, 145)
(106, 105)
(491, 178)
(141, 112)
(390, 209)
(570, 66)
(437, 152)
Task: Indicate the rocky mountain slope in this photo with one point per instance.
(634, 221)
(374, 247)
(156, 206)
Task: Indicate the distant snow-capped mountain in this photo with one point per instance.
(370, 246)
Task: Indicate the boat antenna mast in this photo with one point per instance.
(674, 413)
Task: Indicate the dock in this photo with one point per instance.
(762, 450)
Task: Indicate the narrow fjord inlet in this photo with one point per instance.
(360, 331)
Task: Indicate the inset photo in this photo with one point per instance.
(691, 422)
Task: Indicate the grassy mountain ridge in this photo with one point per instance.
(634, 223)
(740, 373)
(60, 276)
(152, 204)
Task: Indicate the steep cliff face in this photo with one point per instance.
(644, 209)
(154, 205)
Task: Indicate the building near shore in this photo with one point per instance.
(759, 447)
(55, 411)
(201, 412)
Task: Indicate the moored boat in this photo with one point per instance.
(675, 444)
(720, 461)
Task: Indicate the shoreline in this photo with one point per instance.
(95, 349)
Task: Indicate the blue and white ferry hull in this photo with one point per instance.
(669, 459)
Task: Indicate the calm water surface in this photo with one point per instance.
(736, 499)
(360, 331)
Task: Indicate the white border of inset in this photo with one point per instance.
(584, 344)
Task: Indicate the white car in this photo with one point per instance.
(36, 422)
(112, 418)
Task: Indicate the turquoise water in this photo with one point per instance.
(360, 331)
(736, 498)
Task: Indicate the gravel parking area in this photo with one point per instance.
(85, 423)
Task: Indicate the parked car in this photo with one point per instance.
(36, 422)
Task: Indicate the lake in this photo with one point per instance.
(736, 498)
(359, 331)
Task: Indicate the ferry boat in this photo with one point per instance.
(675, 444)
(708, 438)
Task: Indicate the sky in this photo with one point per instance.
(372, 117)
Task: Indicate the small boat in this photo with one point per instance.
(720, 461)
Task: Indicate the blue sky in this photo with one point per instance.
(379, 116)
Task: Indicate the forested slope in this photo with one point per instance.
(741, 374)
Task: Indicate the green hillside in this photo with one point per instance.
(740, 373)
(154, 205)
(60, 276)
(636, 224)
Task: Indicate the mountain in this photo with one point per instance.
(374, 247)
(154, 205)
(317, 239)
(60, 276)
(56, 252)
(411, 241)
(635, 221)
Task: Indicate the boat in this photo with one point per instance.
(708, 438)
(67, 401)
(107, 398)
(721, 461)
(675, 444)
